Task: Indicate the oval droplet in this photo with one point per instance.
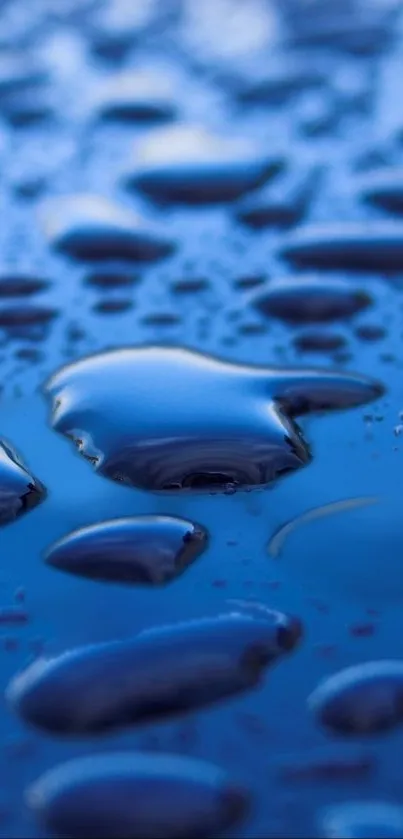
(148, 550)
(116, 794)
(92, 228)
(186, 165)
(363, 820)
(370, 246)
(311, 301)
(363, 699)
(163, 671)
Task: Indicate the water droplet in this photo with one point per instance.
(21, 286)
(247, 281)
(116, 795)
(111, 278)
(369, 246)
(190, 285)
(333, 764)
(383, 188)
(282, 203)
(161, 318)
(28, 315)
(113, 307)
(13, 615)
(19, 72)
(363, 820)
(280, 83)
(137, 97)
(92, 228)
(25, 107)
(370, 332)
(364, 699)
(315, 341)
(186, 165)
(163, 671)
(19, 491)
(164, 433)
(150, 550)
(305, 301)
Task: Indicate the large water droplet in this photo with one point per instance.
(171, 419)
(164, 671)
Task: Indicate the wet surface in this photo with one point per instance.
(295, 122)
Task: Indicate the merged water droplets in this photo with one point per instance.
(163, 671)
(364, 699)
(185, 164)
(132, 795)
(93, 228)
(311, 300)
(19, 491)
(148, 550)
(142, 416)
